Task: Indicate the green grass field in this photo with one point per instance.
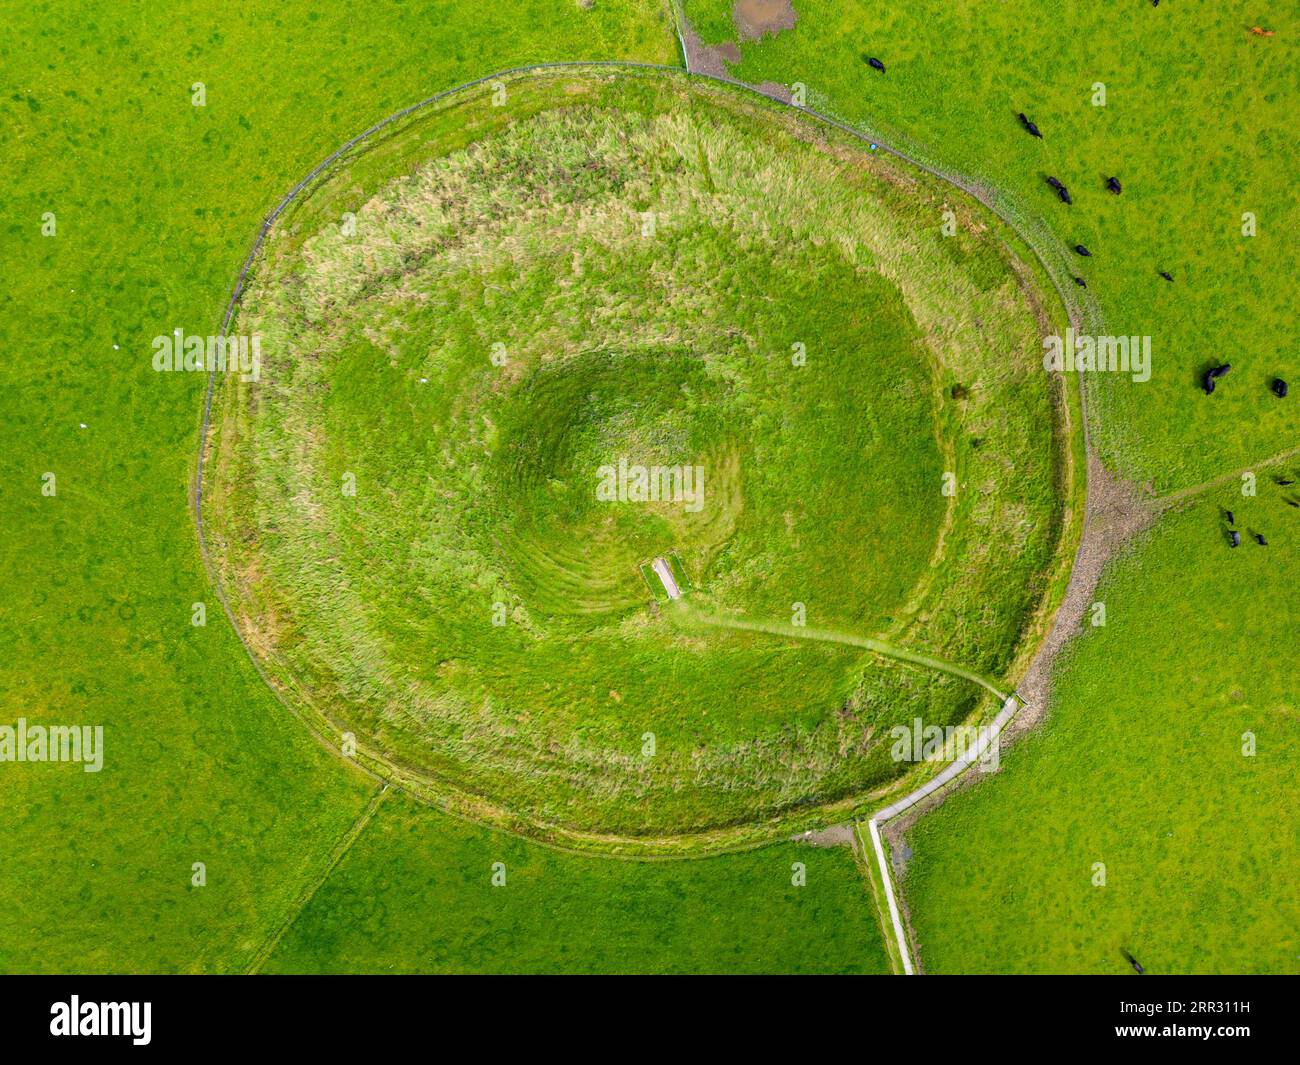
(557, 913)
(143, 150)
(1141, 767)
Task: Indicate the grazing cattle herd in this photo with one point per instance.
(1211, 376)
(1208, 379)
(1234, 537)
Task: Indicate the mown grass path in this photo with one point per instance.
(880, 647)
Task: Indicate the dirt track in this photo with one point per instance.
(1116, 512)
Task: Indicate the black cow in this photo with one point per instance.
(875, 64)
(1061, 190)
(1234, 538)
(1231, 519)
(1166, 275)
(1080, 282)
(1081, 250)
(1029, 126)
(1285, 482)
(1279, 388)
(1292, 502)
(1114, 186)
(1259, 539)
(1137, 965)
(1213, 375)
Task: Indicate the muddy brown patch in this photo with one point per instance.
(755, 18)
(834, 836)
(702, 59)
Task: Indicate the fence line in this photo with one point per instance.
(954, 770)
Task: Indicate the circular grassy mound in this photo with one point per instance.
(513, 355)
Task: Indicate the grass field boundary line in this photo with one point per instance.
(678, 18)
(863, 856)
(237, 291)
(904, 955)
(305, 896)
(1184, 495)
(949, 774)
